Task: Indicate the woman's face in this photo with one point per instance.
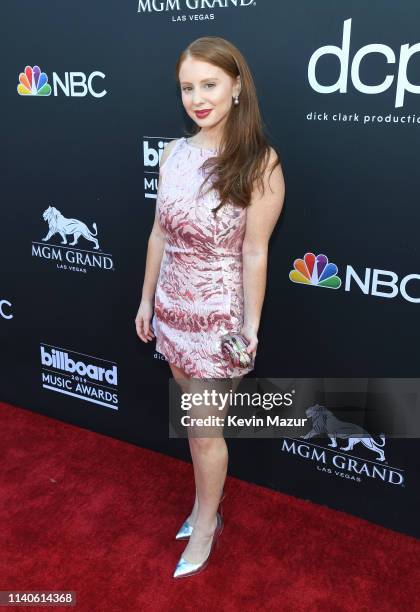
(206, 87)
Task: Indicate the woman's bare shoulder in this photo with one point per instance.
(168, 148)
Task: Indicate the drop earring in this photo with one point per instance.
(235, 100)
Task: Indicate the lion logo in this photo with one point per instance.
(324, 422)
(59, 224)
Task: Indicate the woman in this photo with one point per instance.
(207, 253)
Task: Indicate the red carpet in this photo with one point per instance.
(84, 512)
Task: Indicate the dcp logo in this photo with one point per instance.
(402, 83)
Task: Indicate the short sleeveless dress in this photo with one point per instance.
(199, 292)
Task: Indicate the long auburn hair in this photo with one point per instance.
(244, 150)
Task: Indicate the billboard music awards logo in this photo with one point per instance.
(343, 461)
(68, 255)
(33, 82)
(165, 6)
(153, 147)
(317, 271)
(6, 309)
(85, 377)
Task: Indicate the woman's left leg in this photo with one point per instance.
(210, 461)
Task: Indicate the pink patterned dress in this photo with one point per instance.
(199, 293)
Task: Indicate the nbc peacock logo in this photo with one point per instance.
(315, 270)
(33, 82)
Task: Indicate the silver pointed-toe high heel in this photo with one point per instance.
(187, 529)
(186, 568)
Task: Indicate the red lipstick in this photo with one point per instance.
(203, 113)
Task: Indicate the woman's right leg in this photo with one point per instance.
(182, 379)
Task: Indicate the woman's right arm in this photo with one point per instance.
(155, 248)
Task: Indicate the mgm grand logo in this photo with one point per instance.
(165, 6)
(343, 464)
(71, 256)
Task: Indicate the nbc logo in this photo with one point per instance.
(6, 309)
(33, 82)
(315, 270)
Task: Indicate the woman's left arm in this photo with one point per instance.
(262, 216)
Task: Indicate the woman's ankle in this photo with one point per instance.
(193, 515)
(205, 526)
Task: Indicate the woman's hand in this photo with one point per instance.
(143, 321)
(250, 334)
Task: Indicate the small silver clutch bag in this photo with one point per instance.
(234, 349)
